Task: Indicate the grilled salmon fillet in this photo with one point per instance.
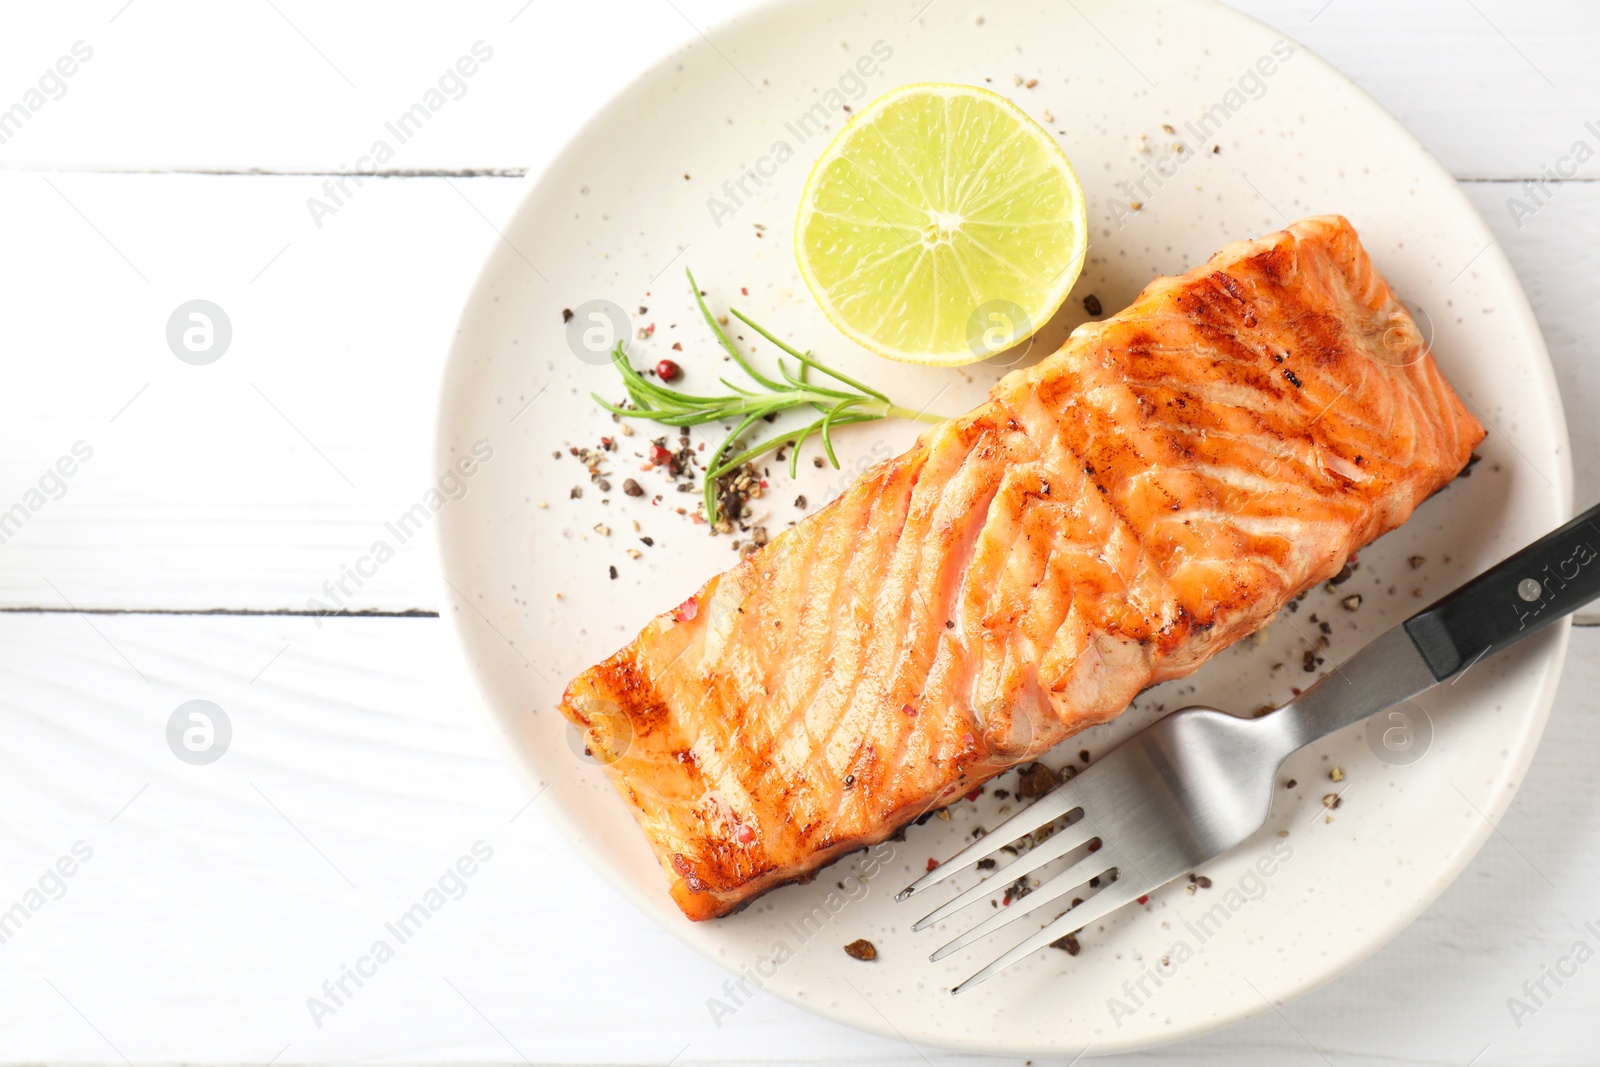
(1108, 519)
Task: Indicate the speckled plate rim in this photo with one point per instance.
(1520, 755)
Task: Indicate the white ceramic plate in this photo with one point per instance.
(615, 218)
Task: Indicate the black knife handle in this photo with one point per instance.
(1553, 577)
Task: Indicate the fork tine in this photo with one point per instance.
(1095, 863)
(1125, 890)
(1046, 809)
(1053, 848)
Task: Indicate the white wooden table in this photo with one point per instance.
(206, 904)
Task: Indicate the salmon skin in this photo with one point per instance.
(1108, 519)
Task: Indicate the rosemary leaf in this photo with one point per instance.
(844, 404)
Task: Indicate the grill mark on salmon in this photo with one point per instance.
(1107, 520)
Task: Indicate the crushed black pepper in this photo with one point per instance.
(861, 949)
(1067, 943)
(1034, 780)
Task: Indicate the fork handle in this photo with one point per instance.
(1553, 577)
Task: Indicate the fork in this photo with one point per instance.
(1200, 781)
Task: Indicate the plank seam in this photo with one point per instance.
(373, 613)
(258, 172)
(518, 172)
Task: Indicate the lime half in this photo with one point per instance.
(941, 226)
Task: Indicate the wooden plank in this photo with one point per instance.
(1557, 268)
(219, 898)
(294, 86)
(301, 87)
(1490, 91)
(251, 482)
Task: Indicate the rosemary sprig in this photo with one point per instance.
(841, 404)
